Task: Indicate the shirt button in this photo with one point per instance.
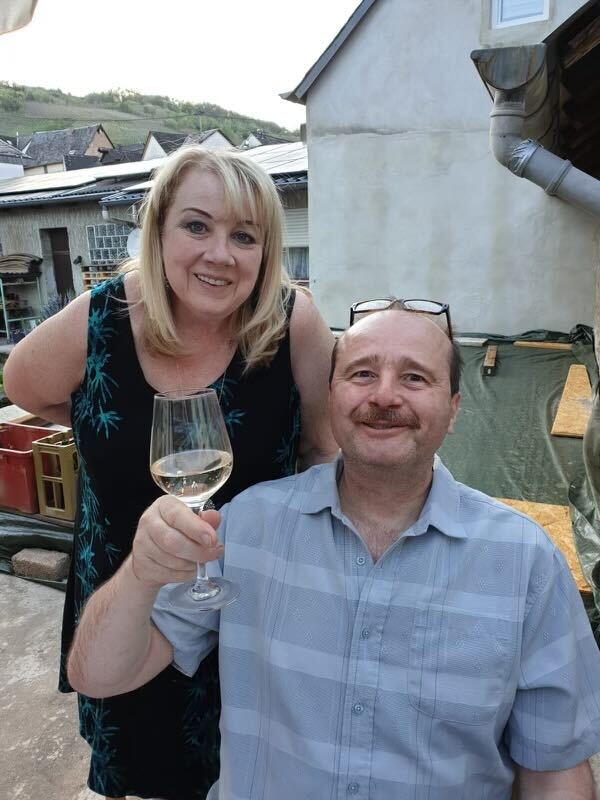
(361, 561)
(365, 633)
(353, 788)
(357, 708)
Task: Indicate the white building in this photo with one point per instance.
(406, 198)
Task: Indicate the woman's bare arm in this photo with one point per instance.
(48, 365)
(311, 344)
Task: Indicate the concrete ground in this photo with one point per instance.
(43, 757)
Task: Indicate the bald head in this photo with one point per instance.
(401, 326)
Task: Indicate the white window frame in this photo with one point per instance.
(498, 22)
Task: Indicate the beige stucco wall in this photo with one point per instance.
(45, 168)
(405, 197)
(99, 140)
(20, 232)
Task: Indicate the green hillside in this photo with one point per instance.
(126, 116)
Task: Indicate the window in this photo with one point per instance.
(518, 12)
(107, 243)
(296, 263)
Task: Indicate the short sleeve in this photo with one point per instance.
(555, 720)
(193, 634)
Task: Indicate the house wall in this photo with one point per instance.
(10, 171)
(45, 168)
(405, 196)
(22, 231)
(153, 150)
(100, 140)
(216, 141)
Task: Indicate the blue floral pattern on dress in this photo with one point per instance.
(96, 730)
(90, 404)
(287, 452)
(224, 387)
(91, 407)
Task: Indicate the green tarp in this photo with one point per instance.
(502, 443)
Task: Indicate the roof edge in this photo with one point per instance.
(298, 95)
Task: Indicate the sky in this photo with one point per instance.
(238, 54)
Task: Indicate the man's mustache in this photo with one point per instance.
(393, 416)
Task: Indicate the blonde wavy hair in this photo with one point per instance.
(260, 321)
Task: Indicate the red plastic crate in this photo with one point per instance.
(17, 474)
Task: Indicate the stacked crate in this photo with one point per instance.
(38, 471)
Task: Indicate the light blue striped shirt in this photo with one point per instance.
(424, 676)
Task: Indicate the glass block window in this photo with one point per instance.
(107, 243)
(517, 12)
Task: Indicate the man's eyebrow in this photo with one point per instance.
(404, 362)
(362, 361)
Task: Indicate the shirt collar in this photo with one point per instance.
(441, 509)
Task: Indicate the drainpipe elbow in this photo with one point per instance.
(506, 128)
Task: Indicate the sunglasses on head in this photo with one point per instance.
(428, 307)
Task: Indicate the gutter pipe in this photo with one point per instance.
(510, 116)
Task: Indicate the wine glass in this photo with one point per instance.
(191, 458)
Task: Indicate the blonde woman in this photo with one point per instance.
(206, 304)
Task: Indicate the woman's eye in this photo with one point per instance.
(244, 238)
(195, 226)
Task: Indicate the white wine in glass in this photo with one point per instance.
(191, 458)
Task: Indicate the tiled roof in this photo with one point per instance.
(268, 138)
(173, 141)
(9, 154)
(122, 153)
(80, 162)
(93, 191)
(287, 164)
(50, 147)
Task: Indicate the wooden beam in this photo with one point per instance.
(544, 345)
(489, 362)
(556, 521)
(582, 44)
(575, 404)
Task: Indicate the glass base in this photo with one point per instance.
(219, 593)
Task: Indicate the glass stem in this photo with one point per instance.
(203, 588)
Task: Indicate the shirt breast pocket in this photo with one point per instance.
(459, 664)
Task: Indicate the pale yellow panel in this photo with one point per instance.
(575, 404)
(556, 521)
(544, 345)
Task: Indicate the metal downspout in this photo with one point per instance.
(527, 158)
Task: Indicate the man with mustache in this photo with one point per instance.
(398, 634)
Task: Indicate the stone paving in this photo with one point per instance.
(43, 757)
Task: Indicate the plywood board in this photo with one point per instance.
(544, 345)
(489, 363)
(556, 521)
(15, 414)
(575, 404)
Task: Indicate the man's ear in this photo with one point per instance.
(454, 405)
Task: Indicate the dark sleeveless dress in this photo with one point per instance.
(162, 740)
